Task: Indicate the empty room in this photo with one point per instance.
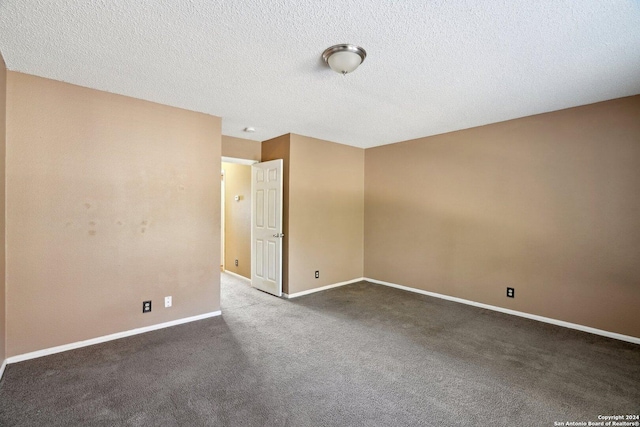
(320, 213)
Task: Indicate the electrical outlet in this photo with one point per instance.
(236, 263)
(146, 306)
(317, 274)
(167, 302)
(511, 293)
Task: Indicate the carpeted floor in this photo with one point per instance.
(359, 355)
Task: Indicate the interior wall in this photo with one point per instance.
(241, 148)
(546, 204)
(237, 218)
(3, 148)
(273, 149)
(326, 213)
(111, 201)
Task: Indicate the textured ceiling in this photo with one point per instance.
(433, 66)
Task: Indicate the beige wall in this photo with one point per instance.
(237, 218)
(3, 146)
(547, 204)
(323, 207)
(326, 213)
(240, 148)
(113, 200)
(279, 148)
(110, 201)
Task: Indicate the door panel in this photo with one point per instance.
(259, 208)
(266, 227)
(259, 258)
(272, 210)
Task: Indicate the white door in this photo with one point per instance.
(266, 226)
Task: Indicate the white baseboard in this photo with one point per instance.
(4, 365)
(231, 273)
(323, 288)
(105, 338)
(562, 323)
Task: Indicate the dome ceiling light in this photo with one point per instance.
(344, 58)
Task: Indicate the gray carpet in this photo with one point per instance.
(359, 355)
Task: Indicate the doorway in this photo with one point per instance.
(251, 217)
(236, 217)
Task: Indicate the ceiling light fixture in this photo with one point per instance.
(249, 129)
(344, 58)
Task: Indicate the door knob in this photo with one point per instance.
(278, 235)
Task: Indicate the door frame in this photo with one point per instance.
(223, 214)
